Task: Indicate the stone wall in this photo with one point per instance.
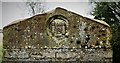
(1, 46)
(58, 29)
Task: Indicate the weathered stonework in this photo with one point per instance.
(58, 35)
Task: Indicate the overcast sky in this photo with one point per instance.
(0, 15)
(12, 11)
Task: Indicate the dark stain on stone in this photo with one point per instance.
(78, 42)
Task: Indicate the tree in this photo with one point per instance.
(35, 6)
(110, 13)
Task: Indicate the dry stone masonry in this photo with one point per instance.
(56, 36)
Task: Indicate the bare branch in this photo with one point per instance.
(35, 7)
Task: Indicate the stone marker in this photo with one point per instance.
(57, 35)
